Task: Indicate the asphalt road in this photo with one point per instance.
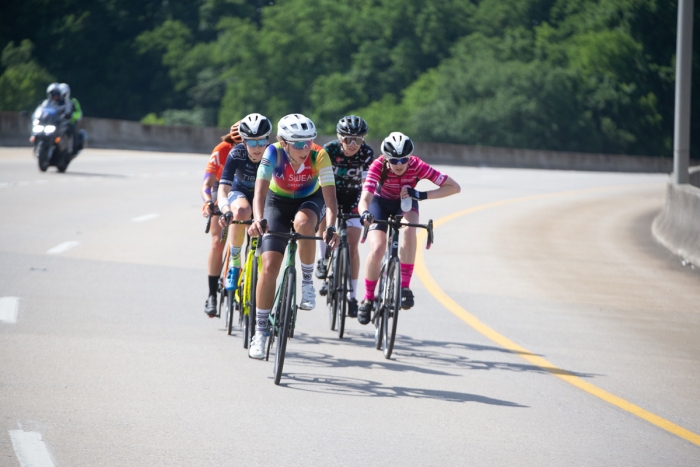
(107, 359)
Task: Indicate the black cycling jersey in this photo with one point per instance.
(349, 172)
(239, 171)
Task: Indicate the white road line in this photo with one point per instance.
(41, 182)
(30, 449)
(8, 309)
(65, 246)
(146, 217)
(4, 185)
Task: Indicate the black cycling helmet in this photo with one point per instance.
(254, 126)
(352, 125)
(397, 145)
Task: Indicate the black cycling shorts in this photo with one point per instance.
(382, 208)
(280, 212)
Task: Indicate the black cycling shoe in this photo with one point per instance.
(210, 306)
(406, 298)
(324, 290)
(364, 312)
(321, 269)
(352, 307)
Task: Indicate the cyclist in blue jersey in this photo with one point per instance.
(237, 186)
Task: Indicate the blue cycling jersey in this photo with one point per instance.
(239, 171)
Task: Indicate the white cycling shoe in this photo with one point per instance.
(308, 297)
(257, 346)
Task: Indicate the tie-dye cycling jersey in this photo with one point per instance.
(284, 181)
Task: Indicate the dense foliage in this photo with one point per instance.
(578, 75)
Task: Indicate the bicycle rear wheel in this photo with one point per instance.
(379, 309)
(343, 288)
(392, 305)
(285, 311)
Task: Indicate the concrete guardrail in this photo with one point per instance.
(120, 134)
(677, 227)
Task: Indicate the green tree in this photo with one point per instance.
(23, 81)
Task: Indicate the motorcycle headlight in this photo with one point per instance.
(38, 128)
(49, 129)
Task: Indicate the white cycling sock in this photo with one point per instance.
(322, 249)
(261, 324)
(307, 272)
(353, 292)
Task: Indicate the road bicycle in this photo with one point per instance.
(242, 297)
(283, 315)
(338, 281)
(387, 302)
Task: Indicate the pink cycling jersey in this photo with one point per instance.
(391, 188)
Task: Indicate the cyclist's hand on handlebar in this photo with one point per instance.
(257, 228)
(225, 219)
(330, 236)
(366, 218)
(207, 209)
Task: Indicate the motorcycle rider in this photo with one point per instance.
(74, 113)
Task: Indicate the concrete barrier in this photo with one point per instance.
(694, 176)
(677, 227)
(120, 134)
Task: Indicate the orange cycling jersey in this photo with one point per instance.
(217, 161)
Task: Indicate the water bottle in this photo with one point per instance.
(407, 202)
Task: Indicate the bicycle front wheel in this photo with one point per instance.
(392, 305)
(229, 311)
(379, 309)
(285, 310)
(342, 289)
(251, 303)
(331, 280)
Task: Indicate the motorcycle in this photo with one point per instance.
(53, 146)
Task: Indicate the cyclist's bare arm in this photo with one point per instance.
(207, 186)
(331, 211)
(261, 188)
(365, 199)
(449, 188)
(222, 194)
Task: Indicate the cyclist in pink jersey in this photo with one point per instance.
(391, 178)
(295, 187)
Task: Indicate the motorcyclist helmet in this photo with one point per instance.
(296, 127)
(352, 125)
(65, 91)
(397, 145)
(255, 126)
(53, 92)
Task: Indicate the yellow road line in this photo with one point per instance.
(503, 341)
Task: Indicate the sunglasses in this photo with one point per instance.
(256, 142)
(301, 144)
(397, 160)
(352, 140)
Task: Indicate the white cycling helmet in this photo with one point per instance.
(397, 145)
(254, 126)
(296, 127)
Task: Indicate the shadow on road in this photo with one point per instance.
(367, 388)
(412, 355)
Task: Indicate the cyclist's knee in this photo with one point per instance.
(305, 224)
(240, 212)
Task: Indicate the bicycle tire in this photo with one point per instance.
(378, 307)
(253, 297)
(342, 298)
(392, 305)
(285, 315)
(332, 286)
(229, 312)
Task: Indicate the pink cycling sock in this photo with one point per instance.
(369, 289)
(406, 273)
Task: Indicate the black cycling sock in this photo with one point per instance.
(213, 285)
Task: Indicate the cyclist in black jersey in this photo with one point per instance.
(351, 158)
(237, 186)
